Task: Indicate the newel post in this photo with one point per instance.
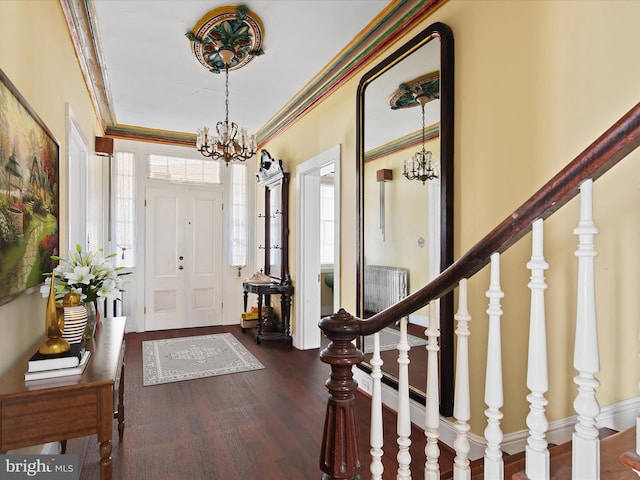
(339, 458)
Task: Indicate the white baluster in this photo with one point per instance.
(586, 358)
(404, 415)
(462, 402)
(493, 395)
(377, 435)
(432, 413)
(537, 454)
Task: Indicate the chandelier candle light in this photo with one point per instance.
(420, 166)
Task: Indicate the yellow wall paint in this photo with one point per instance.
(536, 83)
(37, 55)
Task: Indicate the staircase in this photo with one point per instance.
(587, 456)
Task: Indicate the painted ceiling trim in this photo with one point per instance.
(143, 134)
(399, 17)
(396, 19)
(408, 141)
(89, 56)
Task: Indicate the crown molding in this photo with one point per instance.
(80, 21)
(399, 17)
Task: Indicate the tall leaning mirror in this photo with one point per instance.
(405, 197)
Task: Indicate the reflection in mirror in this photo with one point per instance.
(405, 112)
(275, 230)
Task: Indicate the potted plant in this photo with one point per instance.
(89, 274)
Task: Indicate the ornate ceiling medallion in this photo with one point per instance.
(408, 94)
(235, 32)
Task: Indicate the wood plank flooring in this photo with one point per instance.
(264, 424)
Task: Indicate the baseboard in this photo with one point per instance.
(617, 416)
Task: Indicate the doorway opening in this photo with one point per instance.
(317, 231)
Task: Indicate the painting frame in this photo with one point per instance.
(29, 195)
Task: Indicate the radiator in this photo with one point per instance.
(383, 287)
(110, 307)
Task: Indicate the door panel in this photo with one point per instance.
(206, 261)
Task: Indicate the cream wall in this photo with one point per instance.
(536, 83)
(37, 55)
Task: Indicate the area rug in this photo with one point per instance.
(389, 338)
(186, 358)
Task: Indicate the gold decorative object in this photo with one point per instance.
(54, 325)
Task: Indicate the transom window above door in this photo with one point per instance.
(184, 170)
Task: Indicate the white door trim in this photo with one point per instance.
(306, 281)
(77, 157)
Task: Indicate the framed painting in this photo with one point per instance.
(29, 195)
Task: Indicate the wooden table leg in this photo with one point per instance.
(105, 460)
(121, 405)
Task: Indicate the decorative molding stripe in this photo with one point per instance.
(402, 143)
(143, 134)
(82, 28)
(394, 21)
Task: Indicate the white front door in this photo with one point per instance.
(183, 284)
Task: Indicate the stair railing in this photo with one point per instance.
(339, 457)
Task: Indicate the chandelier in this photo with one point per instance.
(420, 166)
(229, 142)
(226, 38)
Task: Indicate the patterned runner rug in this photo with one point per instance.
(389, 338)
(186, 358)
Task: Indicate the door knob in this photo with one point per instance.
(180, 257)
(180, 267)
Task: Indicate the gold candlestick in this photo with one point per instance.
(54, 325)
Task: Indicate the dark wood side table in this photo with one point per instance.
(264, 292)
(57, 409)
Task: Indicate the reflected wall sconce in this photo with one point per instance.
(383, 175)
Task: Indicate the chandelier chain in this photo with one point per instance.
(226, 95)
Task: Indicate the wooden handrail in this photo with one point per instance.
(342, 328)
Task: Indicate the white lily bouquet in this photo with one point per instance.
(90, 274)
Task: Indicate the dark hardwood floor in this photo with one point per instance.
(264, 424)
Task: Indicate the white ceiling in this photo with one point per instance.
(155, 81)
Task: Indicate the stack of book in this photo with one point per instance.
(249, 319)
(71, 362)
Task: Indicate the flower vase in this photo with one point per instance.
(90, 329)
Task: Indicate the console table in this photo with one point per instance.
(57, 409)
(264, 292)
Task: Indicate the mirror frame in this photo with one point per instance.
(444, 34)
(272, 176)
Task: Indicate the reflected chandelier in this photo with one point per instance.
(225, 144)
(420, 166)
